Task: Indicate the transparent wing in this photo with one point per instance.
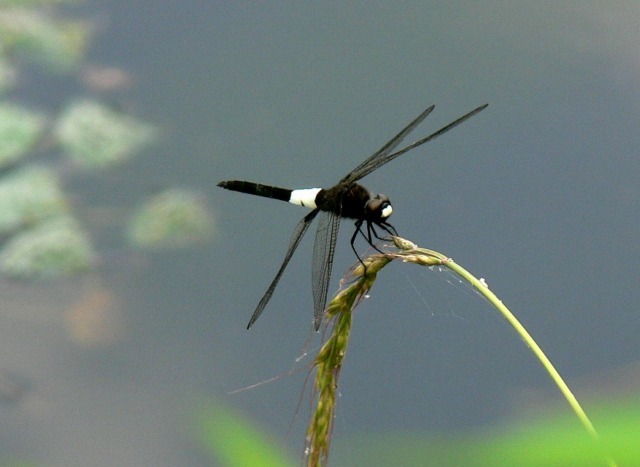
(323, 251)
(297, 235)
(363, 169)
(382, 157)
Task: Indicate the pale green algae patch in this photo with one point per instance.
(40, 37)
(94, 136)
(173, 218)
(27, 196)
(20, 130)
(50, 249)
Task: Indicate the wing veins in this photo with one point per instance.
(297, 235)
(323, 252)
(363, 169)
(379, 160)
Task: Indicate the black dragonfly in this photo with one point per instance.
(346, 199)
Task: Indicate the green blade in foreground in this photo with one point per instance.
(235, 440)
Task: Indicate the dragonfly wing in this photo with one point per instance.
(297, 235)
(323, 252)
(363, 169)
(382, 158)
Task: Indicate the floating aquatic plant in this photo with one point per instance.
(173, 218)
(57, 247)
(38, 36)
(95, 136)
(40, 239)
(27, 196)
(20, 129)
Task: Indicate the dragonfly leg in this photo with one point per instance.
(369, 236)
(388, 228)
(371, 232)
(353, 241)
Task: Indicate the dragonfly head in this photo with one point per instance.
(378, 208)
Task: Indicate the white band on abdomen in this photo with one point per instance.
(306, 197)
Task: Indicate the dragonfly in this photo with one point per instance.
(347, 199)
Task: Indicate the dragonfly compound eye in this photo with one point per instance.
(379, 206)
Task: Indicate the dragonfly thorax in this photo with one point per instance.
(353, 201)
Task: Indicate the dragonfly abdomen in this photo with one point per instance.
(257, 189)
(304, 197)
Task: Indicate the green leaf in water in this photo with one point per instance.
(57, 247)
(174, 218)
(27, 196)
(20, 129)
(41, 38)
(94, 136)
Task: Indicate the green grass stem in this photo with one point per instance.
(329, 360)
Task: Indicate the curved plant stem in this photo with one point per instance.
(329, 360)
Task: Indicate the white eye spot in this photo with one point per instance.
(386, 212)
(306, 198)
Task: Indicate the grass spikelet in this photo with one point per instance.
(329, 360)
(337, 318)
